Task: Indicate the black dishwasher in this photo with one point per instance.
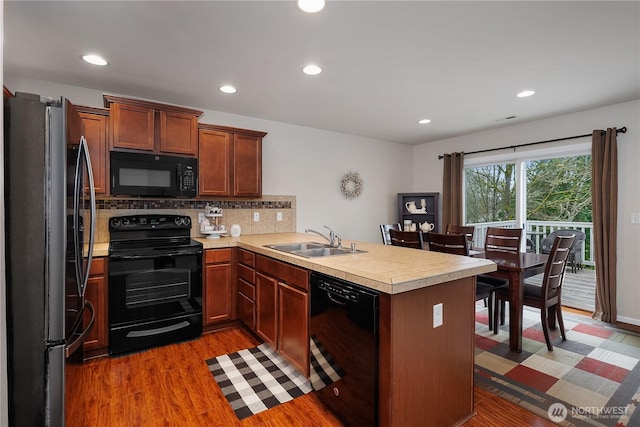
(344, 325)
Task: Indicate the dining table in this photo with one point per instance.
(515, 268)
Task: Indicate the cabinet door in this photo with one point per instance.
(178, 133)
(293, 334)
(95, 131)
(247, 165)
(214, 163)
(217, 296)
(96, 295)
(132, 126)
(247, 311)
(266, 320)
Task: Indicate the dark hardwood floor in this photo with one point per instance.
(171, 386)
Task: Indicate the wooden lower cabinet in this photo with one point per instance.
(282, 309)
(247, 288)
(217, 290)
(97, 342)
(266, 304)
(293, 336)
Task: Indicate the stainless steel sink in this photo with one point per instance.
(312, 249)
(292, 247)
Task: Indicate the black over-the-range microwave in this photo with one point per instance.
(140, 174)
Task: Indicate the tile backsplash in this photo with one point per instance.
(233, 212)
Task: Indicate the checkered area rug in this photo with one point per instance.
(257, 379)
(592, 379)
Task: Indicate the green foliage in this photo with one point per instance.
(557, 190)
(490, 193)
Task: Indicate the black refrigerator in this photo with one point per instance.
(50, 223)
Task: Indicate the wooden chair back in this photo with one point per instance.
(555, 268)
(408, 239)
(468, 230)
(503, 240)
(448, 243)
(384, 230)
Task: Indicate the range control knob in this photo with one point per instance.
(186, 221)
(178, 220)
(125, 221)
(115, 222)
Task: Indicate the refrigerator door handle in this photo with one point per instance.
(72, 346)
(84, 160)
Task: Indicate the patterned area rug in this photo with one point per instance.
(592, 379)
(257, 379)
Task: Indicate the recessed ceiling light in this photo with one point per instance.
(525, 93)
(312, 70)
(95, 60)
(311, 6)
(228, 89)
(424, 121)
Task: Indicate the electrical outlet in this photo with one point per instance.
(200, 217)
(278, 216)
(635, 218)
(256, 216)
(437, 315)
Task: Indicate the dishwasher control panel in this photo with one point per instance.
(341, 290)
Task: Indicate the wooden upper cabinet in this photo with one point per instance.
(133, 127)
(247, 165)
(214, 163)
(95, 122)
(230, 161)
(178, 133)
(152, 127)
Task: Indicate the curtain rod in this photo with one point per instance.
(621, 130)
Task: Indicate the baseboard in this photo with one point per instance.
(628, 323)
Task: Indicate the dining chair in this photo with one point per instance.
(384, 230)
(457, 244)
(500, 240)
(468, 230)
(546, 297)
(408, 239)
(503, 239)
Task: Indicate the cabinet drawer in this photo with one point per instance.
(247, 258)
(287, 273)
(97, 267)
(247, 289)
(247, 274)
(213, 256)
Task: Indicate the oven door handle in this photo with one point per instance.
(155, 255)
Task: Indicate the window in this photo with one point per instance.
(538, 190)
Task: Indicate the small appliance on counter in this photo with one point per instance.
(210, 224)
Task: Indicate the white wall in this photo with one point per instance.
(427, 172)
(304, 162)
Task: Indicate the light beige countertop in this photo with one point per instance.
(100, 249)
(389, 269)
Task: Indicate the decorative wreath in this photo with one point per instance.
(351, 185)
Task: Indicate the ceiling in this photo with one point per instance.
(385, 64)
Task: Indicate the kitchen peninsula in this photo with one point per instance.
(425, 371)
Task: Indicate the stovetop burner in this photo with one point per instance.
(151, 235)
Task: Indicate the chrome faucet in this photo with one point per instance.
(332, 239)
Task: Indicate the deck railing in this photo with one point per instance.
(538, 230)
